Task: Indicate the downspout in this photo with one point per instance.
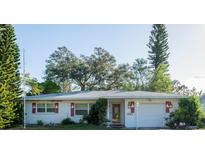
(137, 110)
(108, 110)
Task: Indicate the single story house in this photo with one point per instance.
(132, 109)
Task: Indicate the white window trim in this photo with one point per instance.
(75, 109)
(37, 108)
(45, 109)
(88, 108)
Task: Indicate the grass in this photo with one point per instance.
(202, 127)
(66, 127)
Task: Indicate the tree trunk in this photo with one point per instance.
(82, 87)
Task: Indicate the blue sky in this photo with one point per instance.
(125, 42)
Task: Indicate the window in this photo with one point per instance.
(41, 107)
(90, 106)
(81, 109)
(51, 107)
(46, 107)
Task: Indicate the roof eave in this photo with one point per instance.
(81, 99)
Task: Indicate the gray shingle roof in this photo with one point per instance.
(93, 95)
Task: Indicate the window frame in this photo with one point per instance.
(88, 108)
(54, 108)
(46, 108)
(85, 109)
(37, 104)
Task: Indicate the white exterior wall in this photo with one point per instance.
(131, 119)
(32, 118)
(63, 112)
(128, 119)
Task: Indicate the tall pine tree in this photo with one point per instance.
(158, 46)
(9, 77)
(160, 80)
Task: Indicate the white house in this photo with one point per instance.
(132, 109)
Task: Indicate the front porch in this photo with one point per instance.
(116, 112)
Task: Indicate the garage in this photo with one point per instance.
(151, 115)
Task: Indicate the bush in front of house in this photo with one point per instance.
(188, 114)
(51, 124)
(92, 118)
(67, 121)
(97, 113)
(40, 122)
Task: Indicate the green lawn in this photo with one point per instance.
(66, 127)
(202, 127)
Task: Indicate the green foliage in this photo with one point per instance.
(158, 45)
(67, 121)
(80, 73)
(189, 112)
(97, 113)
(19, 113)
(97, 71)
(181, 89)
(158, 58)
(49, 87)
(40, 122)
(160, 80)
(128, 86)
(94, 71)
(120, 78)
(101, 106)
(1, 31)
(92, 118)
(9, 78)
(58, 67)
(141, 74)
(34, 86)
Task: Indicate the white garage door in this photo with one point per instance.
(151, 115)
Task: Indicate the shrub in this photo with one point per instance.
(40, 122)
(203, 120)
(83, 121)
(97, 113)
(92, 118)
(51, 124)
(189, 113)
(67, 121)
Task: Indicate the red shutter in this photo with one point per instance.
(168, 105)
(72, 109)
(132, 107)
(56, 107)
(33, 107)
